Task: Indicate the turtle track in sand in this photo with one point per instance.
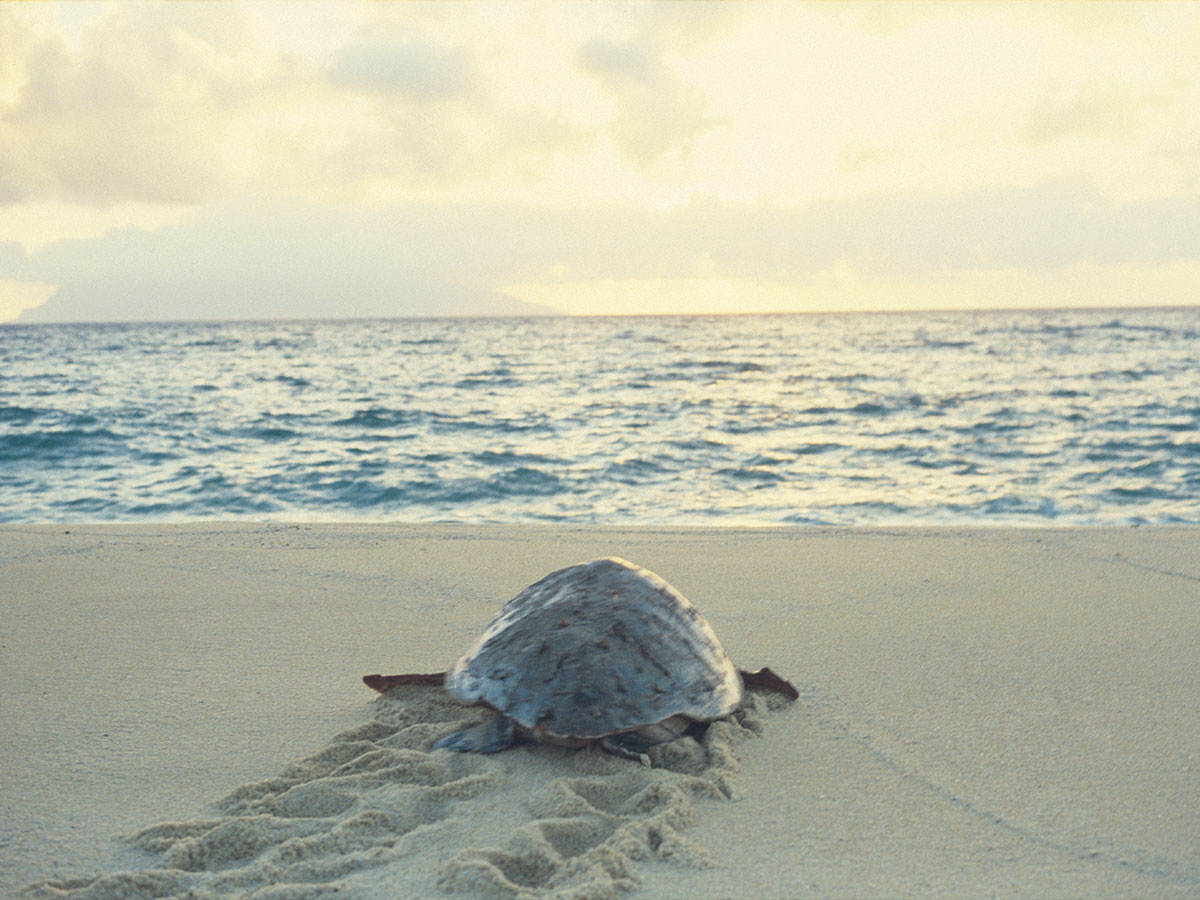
(376, 814)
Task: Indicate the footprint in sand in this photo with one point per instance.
(588, 833)
(376, 813)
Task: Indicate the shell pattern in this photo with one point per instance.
(597, 649)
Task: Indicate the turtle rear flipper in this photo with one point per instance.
(634, 744)
(629, 745)
(487, 737)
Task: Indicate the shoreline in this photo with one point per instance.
(1004, 710)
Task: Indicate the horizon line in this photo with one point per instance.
(664, 315)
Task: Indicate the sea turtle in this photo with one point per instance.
(601, 651)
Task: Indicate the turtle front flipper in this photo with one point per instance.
(487, 737)
(384, 683)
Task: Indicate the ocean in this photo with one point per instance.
(1048, 417)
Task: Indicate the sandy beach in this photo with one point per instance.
(983, 712)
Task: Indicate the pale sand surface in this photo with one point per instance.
(983, 712)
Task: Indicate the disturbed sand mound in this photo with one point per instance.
(376, 814)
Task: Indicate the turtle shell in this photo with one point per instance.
(597, 649)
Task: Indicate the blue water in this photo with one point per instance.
(1001, 417)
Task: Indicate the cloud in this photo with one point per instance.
(577, 104)
(195, 103)
(620, 63)
(185, 104)
(470, 147)
(418, 71)
(128, 115)
(658, 114)
(1102, 107)
(841, 288)
(914, 234)
(439, 259)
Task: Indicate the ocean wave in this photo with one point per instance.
(21, 415)
(1001, 417)
(71, 444)
(383, 418)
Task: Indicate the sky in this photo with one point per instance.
(321, 159)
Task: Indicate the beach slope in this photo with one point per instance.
(1001, 712)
